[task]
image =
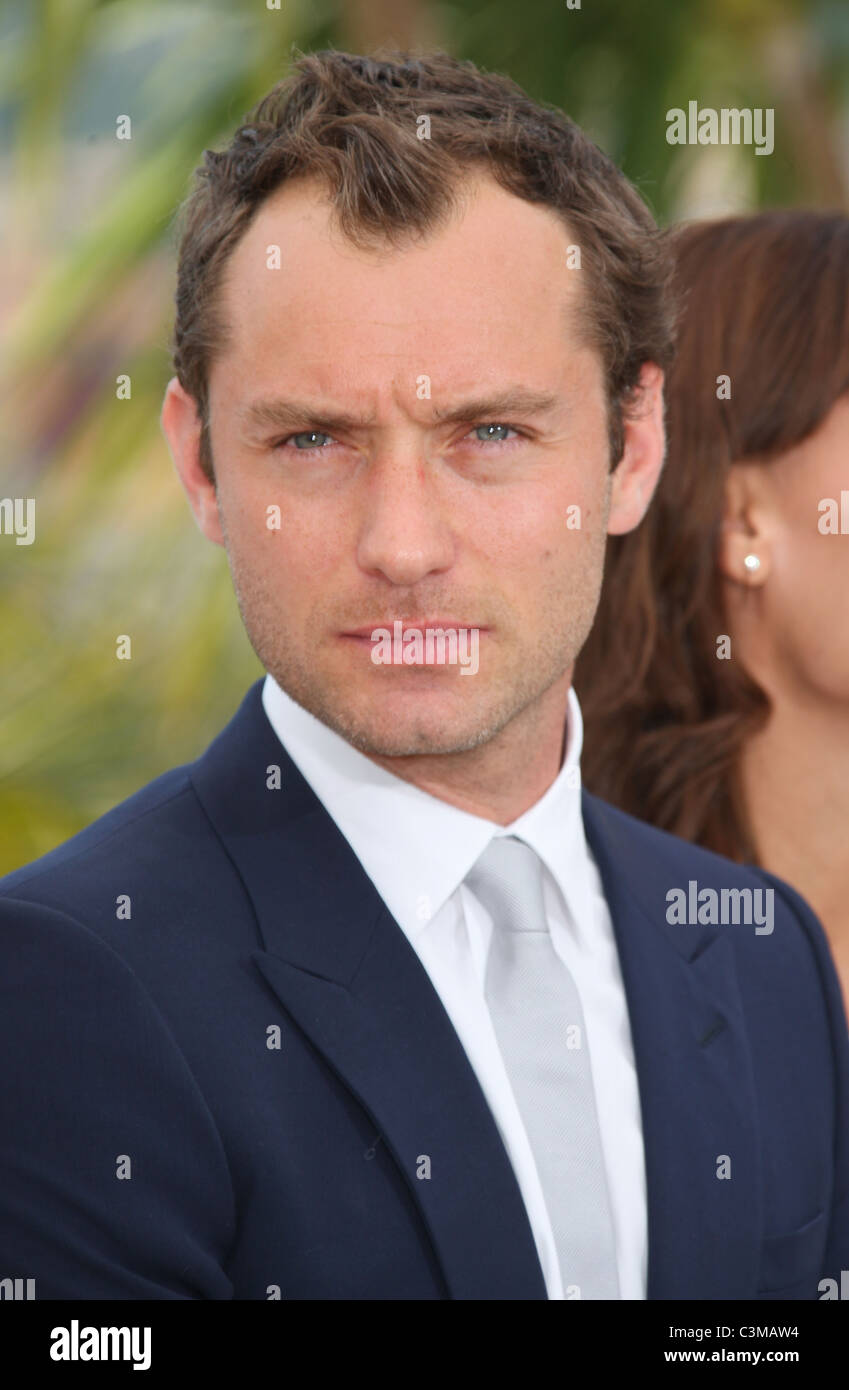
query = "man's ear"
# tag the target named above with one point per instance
(744, 551)
(635, 476)
(181, 426)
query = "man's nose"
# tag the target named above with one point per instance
(405, 533)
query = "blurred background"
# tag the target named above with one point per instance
(86, 285)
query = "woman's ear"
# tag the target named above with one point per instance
(744, 551)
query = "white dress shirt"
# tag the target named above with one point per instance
(417, 850)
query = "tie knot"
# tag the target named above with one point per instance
(507, 879)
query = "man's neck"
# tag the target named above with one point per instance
(508, 774)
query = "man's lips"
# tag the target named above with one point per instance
(420, 625)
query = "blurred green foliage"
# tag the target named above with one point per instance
(86, 288)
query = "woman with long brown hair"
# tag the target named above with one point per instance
(715, 682)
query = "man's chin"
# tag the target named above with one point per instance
(409, 734)
(416, 742)
(405, 724)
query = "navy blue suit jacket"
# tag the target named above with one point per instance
(154, 1145)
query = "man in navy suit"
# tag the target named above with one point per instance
(371, 1001)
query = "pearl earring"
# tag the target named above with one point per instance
(752, 563)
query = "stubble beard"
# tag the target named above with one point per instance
(532, 671)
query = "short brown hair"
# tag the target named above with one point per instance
(766, 303)
(351, 122)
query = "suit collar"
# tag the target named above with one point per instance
(286, 848)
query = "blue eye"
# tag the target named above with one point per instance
(311, 441)
(311, 436)
(495, 434)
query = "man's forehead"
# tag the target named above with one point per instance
(474, 291)
(492, 235)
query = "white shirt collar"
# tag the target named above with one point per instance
(416, 848)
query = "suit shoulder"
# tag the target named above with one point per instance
(661, 848)
(657, 863)
(150, 814)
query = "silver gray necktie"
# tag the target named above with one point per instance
(538, 1020)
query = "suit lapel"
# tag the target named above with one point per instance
(343, 969)
(697, 1092)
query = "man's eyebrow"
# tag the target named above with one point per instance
(283, 414)
(514, 400)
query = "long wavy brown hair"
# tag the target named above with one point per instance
(766, 304)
